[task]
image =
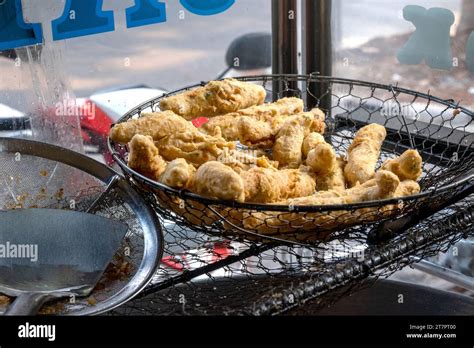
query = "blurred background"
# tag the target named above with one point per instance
(188, 48)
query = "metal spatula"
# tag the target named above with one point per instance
(47, 254)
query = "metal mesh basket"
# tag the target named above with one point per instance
(203, 275)
(441, 130)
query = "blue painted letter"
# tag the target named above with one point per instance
(430, 41)
(82, 17)
(14, 32)
(207, 7)
(146, 12)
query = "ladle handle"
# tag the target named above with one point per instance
(27, 304)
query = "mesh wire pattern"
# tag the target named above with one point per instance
(269, 279)
(29, 181)
(442, 131)
(209, 270)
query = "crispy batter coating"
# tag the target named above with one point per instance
(178, 174)
(407, 188)
(311, 141)
(242, 160)
(364, 153)
(408, 166)
(145, 158)
(174, 137)
(289, 140)
(385, 185)
(328, 167)
(270, 116)
(268, 185)
(255, 133)
(215, 98)
(216, 180)
(322, 159)
(157, 125)
(192, 145)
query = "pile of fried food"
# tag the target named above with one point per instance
(303, 169)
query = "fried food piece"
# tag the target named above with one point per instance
(336, 179)
(244, 160)
(301, 182)
(216, 180)
(195, 147)
(157, 125)
(407, 188)
(385, 185)
(255, 133)
(322, 159)
(311, 141)
(178, 174)
(408, 166)
(269, 185)
(271, 116)
(364, 153)
(262, 133)
(289, 140)
(328, 167)
(145, 158)
(215, 98)
(174, 137)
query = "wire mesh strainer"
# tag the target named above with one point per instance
(39, 175)
(442, 131)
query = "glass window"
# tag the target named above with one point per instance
(370, 35)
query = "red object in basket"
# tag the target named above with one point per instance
(198, 122)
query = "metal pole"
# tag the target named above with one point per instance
(284, 43)
(318, 50)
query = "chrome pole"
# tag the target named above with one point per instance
(284, 42)
(318, 49)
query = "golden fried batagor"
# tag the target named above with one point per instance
(216, 180)
(215, 98)
(311, 141)
(144, 157)
(289, 140)
(157, 125)
(364, 153)
(242, 160)
(174, 137)
(269, 185)
(407, 188)
(270, 116)
(255, 133)
(328, 167)
(408, 166)
(192, 145)
(178, 174)
(385, 185)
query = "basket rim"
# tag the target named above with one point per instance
(152, 184)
